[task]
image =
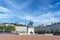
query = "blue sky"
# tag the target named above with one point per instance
(38, 11)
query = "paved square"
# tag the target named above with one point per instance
(28, 37)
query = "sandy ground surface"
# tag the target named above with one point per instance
(28, 37)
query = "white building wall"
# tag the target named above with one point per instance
(21, 29)
(30, 30)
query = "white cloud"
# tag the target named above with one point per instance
(6, 13)
(2, 9)
(58, 3)
(25, 17)
(47, 18)
(41, 19)
(50, 6)
(15, 4)
(4, 16)
(57, 13)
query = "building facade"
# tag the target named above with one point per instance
(19, 28)
(49, 28)
(24, 30)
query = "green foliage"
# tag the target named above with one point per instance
(7, 28)
(47, 32)
(57, 31)
(10, 28)
(43, 31)
(1, 27)
(52, 31)
(40, 31)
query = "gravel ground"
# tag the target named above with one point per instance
(28, 37)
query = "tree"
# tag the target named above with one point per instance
(47, 32)
(52, 31)
(30, 24)
(10, 28)
(2, 28)
(39, 31)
